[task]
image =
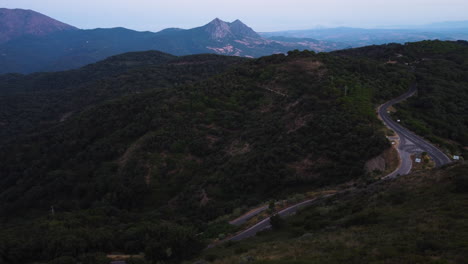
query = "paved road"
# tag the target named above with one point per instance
(409, 143)
(265, 223)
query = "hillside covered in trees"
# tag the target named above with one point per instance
(41, 100)
(154, 153)
(439, 112)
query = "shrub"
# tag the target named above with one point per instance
(461, 182)
(211, 257)
(362, 218)
(277, 222)
(240, 250)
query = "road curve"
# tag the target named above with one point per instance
(409, 143)
(265, 223)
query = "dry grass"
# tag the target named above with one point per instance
(304, 64)
(386, 162)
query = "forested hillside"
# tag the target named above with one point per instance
(167, 149)
(29, 103)
(439, 112)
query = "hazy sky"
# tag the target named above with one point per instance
(262, 15)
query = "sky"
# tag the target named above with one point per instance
(261, 15)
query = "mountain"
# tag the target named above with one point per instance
(18, 22)
(220, 30)
(240, 29)
(235, 39)
(160, 152)
(70, 49)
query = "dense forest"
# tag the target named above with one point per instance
(153, 155)
(41, 100)
(439, 111)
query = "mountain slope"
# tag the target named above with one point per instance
(218, 37)
(172, 160)
(26, 100)
(240, 29)
(187, 154)
(70, 49)
(233, 120)
(18, 22)
(417, 218)
(439, 111)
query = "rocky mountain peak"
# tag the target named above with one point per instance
(238, 28)
(218, 29)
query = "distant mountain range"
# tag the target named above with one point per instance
(34, 42)
(358, 37)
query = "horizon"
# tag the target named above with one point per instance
(143, 15)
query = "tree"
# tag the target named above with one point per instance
(277, 222)
(272, 207)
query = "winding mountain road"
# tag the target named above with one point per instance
(408, 144)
